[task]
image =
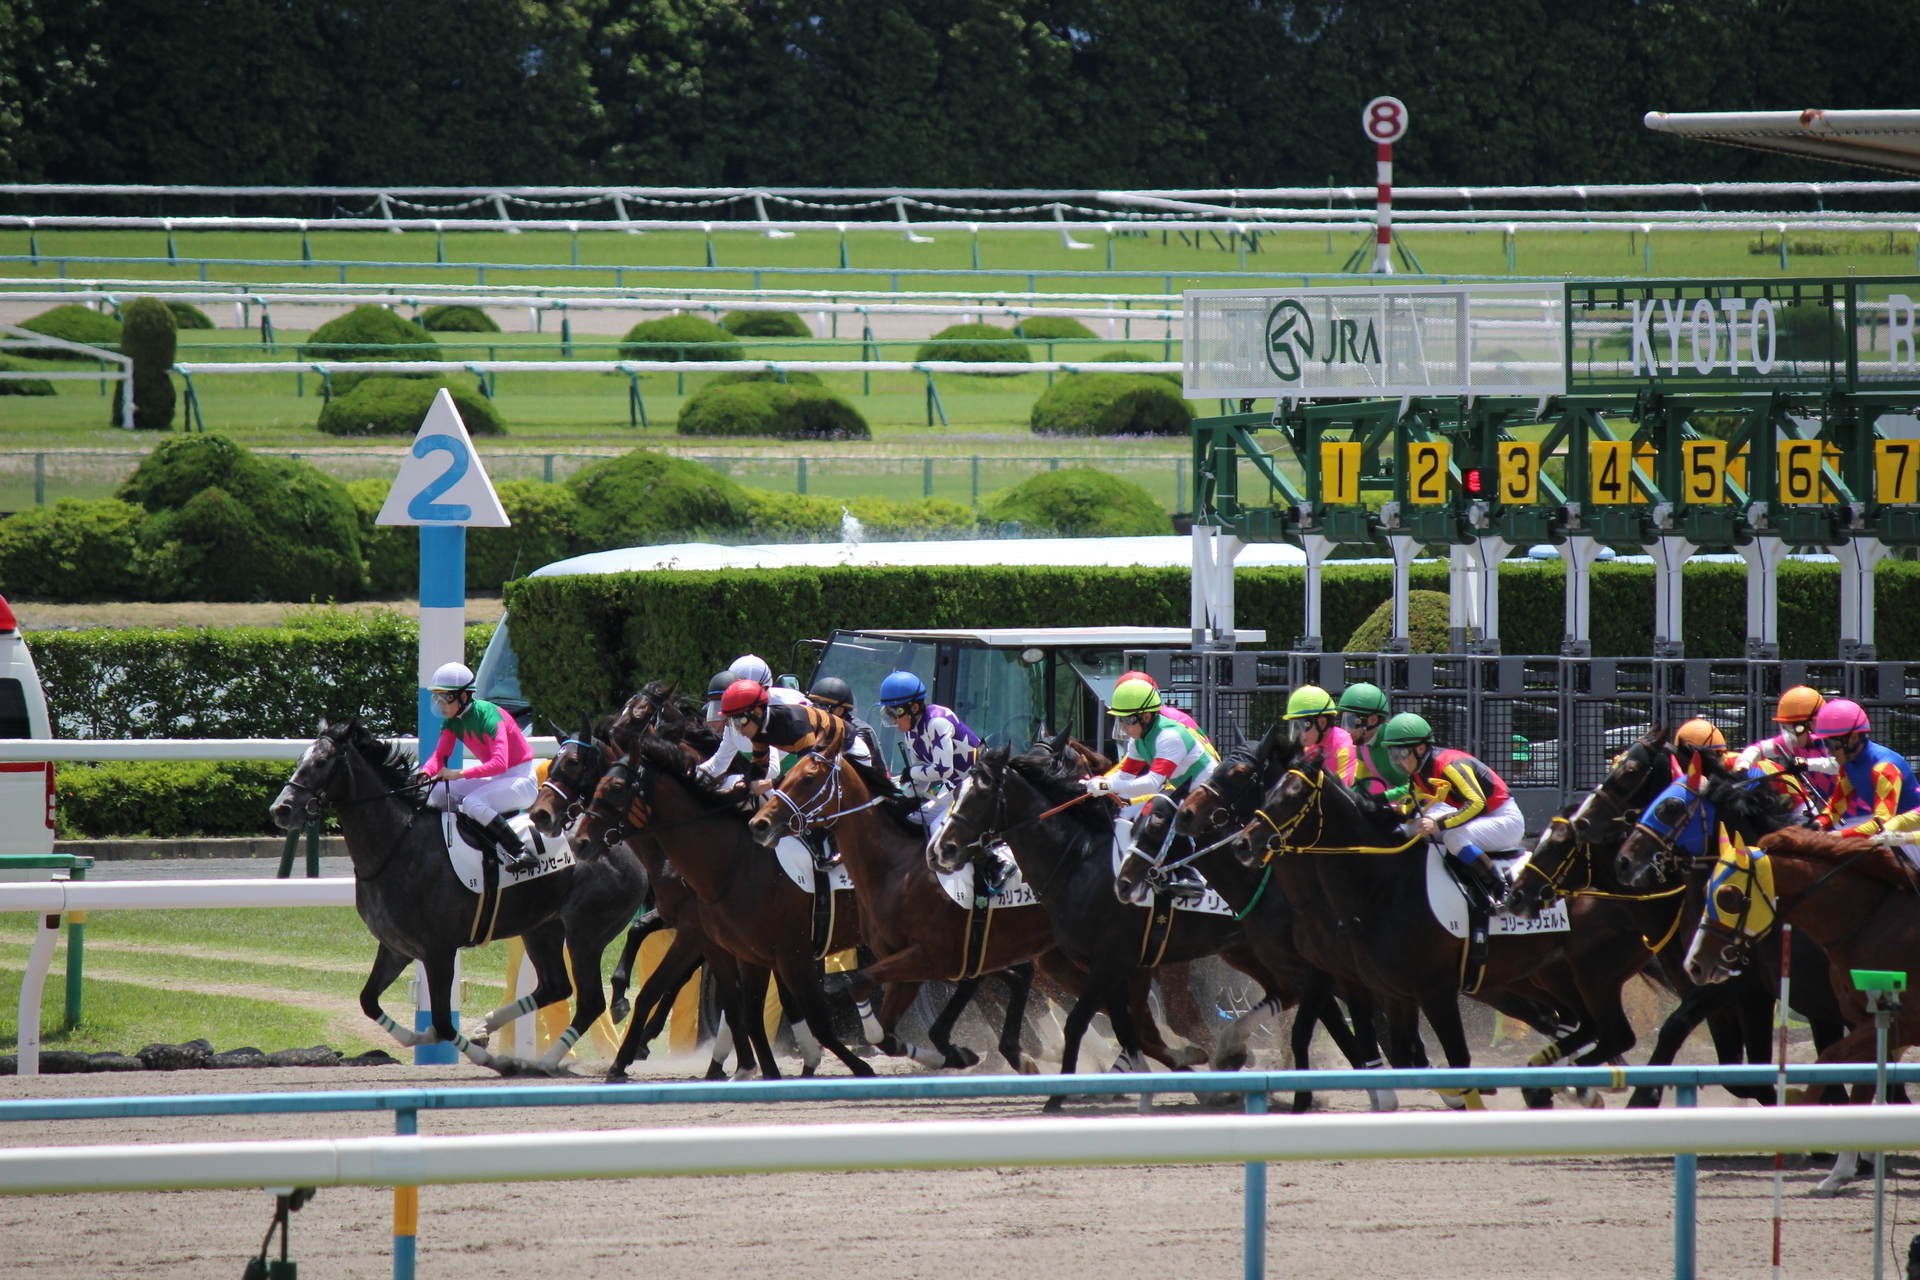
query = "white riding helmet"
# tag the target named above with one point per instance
(752, 667)
(452, 677)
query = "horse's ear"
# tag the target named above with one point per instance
(586, 728)
(1059, 741)
(323, 724)
(1268, 743)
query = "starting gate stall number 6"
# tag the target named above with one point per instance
(1896, 465)
(1427, 462)
(1800, 462)
(1519, 472)
(1705, 464)
(1340, 474)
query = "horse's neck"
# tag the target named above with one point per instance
(1234, 879)
(371, 823)
(701, 851)
(876, 850)
(1036, 847)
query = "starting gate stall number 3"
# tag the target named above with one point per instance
(1705, 464)
(1427, 462)
(1340, 473)
(1896, 465)
(1519, 472)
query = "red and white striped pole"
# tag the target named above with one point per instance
(1384, 122)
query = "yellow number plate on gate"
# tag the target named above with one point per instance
(1427, 471)
(1339, 473)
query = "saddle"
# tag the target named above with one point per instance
(475, 857)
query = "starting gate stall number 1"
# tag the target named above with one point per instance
(1896, 465)
(1427, 462)
(1340, 473)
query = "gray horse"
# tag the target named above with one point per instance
(417, 908)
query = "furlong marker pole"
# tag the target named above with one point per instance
(1383, 211)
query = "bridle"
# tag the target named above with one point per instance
(1282, 838)
(1619, 810)
(810, 814)
(317, 801)
(576, 775)
(1736, 950)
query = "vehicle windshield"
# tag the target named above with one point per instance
(1000, 697)
(863, 662)
(498, 680)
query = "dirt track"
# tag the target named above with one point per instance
(1536, 1218)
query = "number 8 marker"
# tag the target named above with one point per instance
(1384, 120)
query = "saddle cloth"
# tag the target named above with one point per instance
(797, 861)
(1449, 901)
(1207, 904)
(1014, 889)
(554, 855)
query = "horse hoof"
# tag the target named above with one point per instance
(1643, 1097)
(715, 1071)
(1302, 1103)
(1453, 1101)
(836, 983)
(479, 1037)
(1232, 1062)
(959, 1057)
(616, 1074)
(1192, 1056)
(1054, 1105)
(1537, 1099)
(861, 1069)
(618, 1010)
(1027, 1066)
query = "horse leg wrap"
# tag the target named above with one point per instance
(809, 1046)
(408, 1039)
(924, 1056)
(552, 1058)
(1845, 1165)
(869, 1024)
(503, 1015)
(478, 1056)
(1545, 1056)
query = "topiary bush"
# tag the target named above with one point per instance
(644, 497)
(785, 410)
(801, 517)
(1047, 328)
(765, 324)
(166, 798)
(188, 316)
(1111, 404)
(74, 323)
(1080, 502)
(679, 338)
(1138, 357)
(370, 333)
(452, 318)
(379, 406)
(147, 336)
(226, 524)
(543, 515)
(391, 552)
(974, 343)
(1426, 625)
(72, 550)
(22, 386)
(798, 378)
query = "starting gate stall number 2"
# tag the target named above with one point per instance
(1427, 462)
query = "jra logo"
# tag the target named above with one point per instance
(1289, 339)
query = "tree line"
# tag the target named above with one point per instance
(995, 93)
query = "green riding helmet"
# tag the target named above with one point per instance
(1310, 700)
(1405, 730)
(1365, 700)
(1132, 697)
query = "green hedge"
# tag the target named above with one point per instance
(147, 335)
(235, 682)
(765, 324)
(1111, 404)
(1427, 630)
(786, 517)
(72, 550)
(357, 335)
(167, 799)
(644, 497)
(453, 318)
(379, 406)
(1052, 327)
(1080, 502)
(679, 338)
(74, 323)
(585, 642)
(974, 343)
(22, 386)
(188, 316)
(783, 410)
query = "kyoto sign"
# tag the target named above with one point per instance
(1368, 340)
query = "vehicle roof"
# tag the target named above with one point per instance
(1055, 637)
(1169, 550)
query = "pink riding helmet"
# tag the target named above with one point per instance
(1839, 718)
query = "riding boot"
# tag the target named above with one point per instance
(989, 873)
(1486, 879)
(514, 856)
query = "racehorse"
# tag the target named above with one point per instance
(417, 907)
(1064, 849)
(748, 904)
(575, 770)
(1362, 892)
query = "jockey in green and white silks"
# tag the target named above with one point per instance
(1162, 760)
(500, 778)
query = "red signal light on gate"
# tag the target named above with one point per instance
(1474, 481)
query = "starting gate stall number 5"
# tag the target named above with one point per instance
(1340, 473)
(1896, 465)
(1705, 464)
(1427, 462)
(1519, 472)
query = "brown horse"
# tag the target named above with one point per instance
(748, 904)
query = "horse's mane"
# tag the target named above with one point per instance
(394, 764)
(1820, 846)
(1056, 776)
(670, 757)
(893, 802)
(1753, 810)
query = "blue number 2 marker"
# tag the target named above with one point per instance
(423, 506)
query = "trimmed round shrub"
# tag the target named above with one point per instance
(1138, 357)
(22, 386)
(679, 338)
(784, 410)
(147, 335)
(1047, 328)
(391, 551)
(370, 333)
(1111, 404)
(452, 318)
(645, 497)
(188, 316)
(380, 406)
(1080, 502)
(974, 343)
(1426, 625)
(798, 378)
(74, 323)
(72, 550)
(802, 517)
(765, 324)
(226, 524)
(542, 531)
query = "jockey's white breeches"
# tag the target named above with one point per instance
(1502, 829)
(484, 799)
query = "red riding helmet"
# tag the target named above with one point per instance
(1136, 675)
(1839, 718)
(742, 696)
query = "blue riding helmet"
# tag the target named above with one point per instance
(901, 688)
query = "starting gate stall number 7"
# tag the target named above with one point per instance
(1427, 462)
(1340, 473)
(1896, 465)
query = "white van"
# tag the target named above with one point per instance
(26, 788)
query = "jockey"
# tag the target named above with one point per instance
(1459, 802)
(749, 666)
(499, 781)
(1363, 709)
(1791, 750)
(1311, 717)
(757, 725)
(1163, 760)
(1875, 783)
(716, 690)
(835, 696)
(1702, 735)
(942, 745)
(1167, 709)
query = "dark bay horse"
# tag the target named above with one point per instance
(1063, 843)
(417, 908)
(748, 904)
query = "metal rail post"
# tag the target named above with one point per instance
(406, 1204)
(76, 955)
(1686, 1169)
(1255, 1251)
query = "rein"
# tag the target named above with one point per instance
(805, 815)
(1277, 842)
